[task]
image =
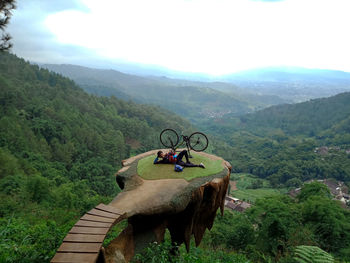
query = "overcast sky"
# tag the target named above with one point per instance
(207, 36)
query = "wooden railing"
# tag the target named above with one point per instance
(84, 240)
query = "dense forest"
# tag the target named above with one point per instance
(280, 143)
(60, 148)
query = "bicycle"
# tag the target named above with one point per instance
(197, 141)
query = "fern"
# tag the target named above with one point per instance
(312, 254)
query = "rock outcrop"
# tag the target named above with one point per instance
(183, 207)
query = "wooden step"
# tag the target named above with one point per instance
(97, 218)
(97, 212)
(88, 230)
(92, 224)
(74, 257)
(80, 247)
(84, 240)
(110, 209)
(87, 238)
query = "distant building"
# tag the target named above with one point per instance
(236, 204)
(294, 192)
(337, 188)
(321, 150)
(324, 150)
(230, 198)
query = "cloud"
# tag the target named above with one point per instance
(268, 0)
(47, 7)
(198, 36)
(33, 41)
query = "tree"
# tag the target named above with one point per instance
(328, 221)
(233, 231)
(276, 219)
(258, 183)
(38, 188)
(294, 182)
(6, 6)
(314, 189)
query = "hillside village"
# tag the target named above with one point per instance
(235, 204)
(338, 190)
(324, 150)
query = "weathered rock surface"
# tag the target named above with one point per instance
(183, 207)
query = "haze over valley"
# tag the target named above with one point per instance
(235, 94)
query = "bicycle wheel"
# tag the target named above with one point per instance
(169, 138)
(198, 141)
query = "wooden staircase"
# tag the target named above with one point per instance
(84, 240)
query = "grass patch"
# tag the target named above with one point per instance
(245, 180)
(253, 194)
(245, 192)
(149, 171)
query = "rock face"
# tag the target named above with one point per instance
(183, 207)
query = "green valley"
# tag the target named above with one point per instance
(190, 99)
(60, 148)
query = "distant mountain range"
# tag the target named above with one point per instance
(259, 87)
(190, 99)
(292, 83)
(290, 74)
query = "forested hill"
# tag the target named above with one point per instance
(308, 118)
(190, 99)
(280, 143)
(59, 150)
(45, 114)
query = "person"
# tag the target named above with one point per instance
(172, 158)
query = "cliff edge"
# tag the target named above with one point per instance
(156, 198)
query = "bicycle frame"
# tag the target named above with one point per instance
(171, 139)
(185, 139)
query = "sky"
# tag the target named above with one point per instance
(214, 37)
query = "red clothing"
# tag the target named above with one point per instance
(171, 157)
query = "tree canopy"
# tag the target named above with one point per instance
(59, 150)
(6, 7)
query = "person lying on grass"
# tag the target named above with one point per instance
(172, 158)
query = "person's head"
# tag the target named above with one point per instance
(160, 154)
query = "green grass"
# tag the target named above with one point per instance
(244, 180)
(253, 194)
(244, 192)
(149, 171)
